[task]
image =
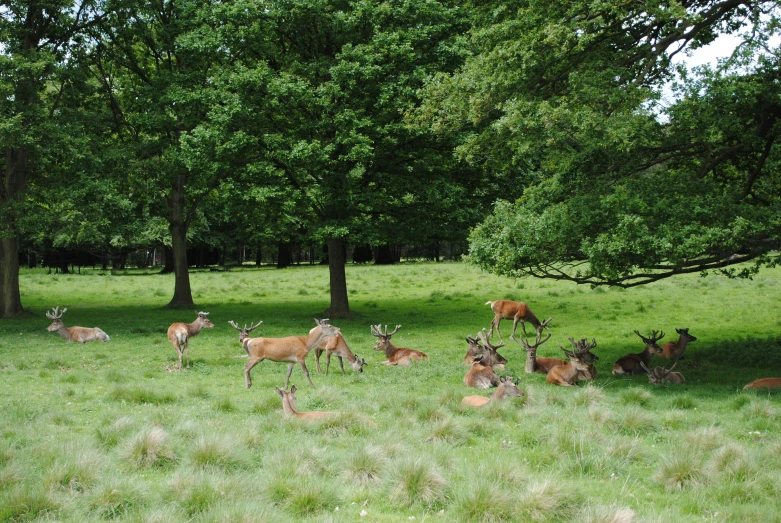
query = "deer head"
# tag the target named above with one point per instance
(203, 321)
(650, 342)
(383, 339)
(582, 349)
(56, 316)
(244, 332)
(658, 375)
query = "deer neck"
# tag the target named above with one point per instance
(500, 393)
(531, 361)
(646, 356)
(289, 405)
(314, 338)
(569, 372)
(194, 328)
(390, 350)
(64, 332)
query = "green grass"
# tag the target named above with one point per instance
(106, 431)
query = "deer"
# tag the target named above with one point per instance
(479, 376)
(77, 334)
(518, 311)
(533, 363)
(763, 383)
(179, 335)
(337, 346)
(507, 388)
(674, 349)
(567, 375)
(630, 364)
(659, 375)
(290, 350)
(491, 358)
(396, 355)
(289, 408)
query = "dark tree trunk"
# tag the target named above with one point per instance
(283, 258)
(259, 255)
(384, 255)
(337, 258)
(10, 297)
(183, 296)
(168, 260)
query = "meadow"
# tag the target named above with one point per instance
(107, 431)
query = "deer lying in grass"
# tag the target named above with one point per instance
(335, 345)
(179, 335)
(77, 334)
(763, 383)
(630, 364)
(567, 375)
(491, 358)
(507, 388)
(395, 355)
(659, 375)
(289, 407)
(479, 376)
(516, 311)
(290, 350)
(674, 350)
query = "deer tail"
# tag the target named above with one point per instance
(489, 303)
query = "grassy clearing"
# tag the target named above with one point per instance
(106, 431)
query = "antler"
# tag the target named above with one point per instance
(484, 338)
(245, 329)
(653, 339)
(392, 333)
(203, 314)
(53, 315)
(647, 370)
(668, 371)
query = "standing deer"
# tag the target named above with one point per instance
(674, 349)
(77, 334)
(491, 358)
(289, 407)
(290, 350)
(179, 335)
(481, 377)
(507, 388)
(630, 364)
(659, 375)
(567, 375)
(395, 355)
(337, 346)
(516, 311)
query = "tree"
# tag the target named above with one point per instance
(620, 189)
(39, 42)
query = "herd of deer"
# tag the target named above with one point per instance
(482, 357)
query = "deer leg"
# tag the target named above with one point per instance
(341, 363)
(289, 372)
(187, 352)
(306, 371)
(523, 326)
(495, 323)
(248, 367)
(179, 353)
(327, 362)
(318, 352)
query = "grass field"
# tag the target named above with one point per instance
(105, 431)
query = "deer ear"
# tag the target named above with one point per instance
(293, 389)
(280, 392)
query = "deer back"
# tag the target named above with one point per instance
(480, 376)
(633, 363)
(763, 383)
(85, 334)
(675, 349)
(289, 406)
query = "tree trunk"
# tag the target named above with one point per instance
(10, 297)
(183, 297)
(337, 258)
(283, 259)
(384, 255)
(168, 260)
(259, 255)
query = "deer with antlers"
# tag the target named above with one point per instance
(674, 350)
(630, 364)
(517, 311)
(567, 375)
(507, 388)
(77, 334)
(396, 355)
(335, 345)
(290, 350)
(491, 358)
(659, 375)
(179, 335)
(481, 376)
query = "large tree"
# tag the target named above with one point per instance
(622, 186)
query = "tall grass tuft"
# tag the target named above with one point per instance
(636, 396)
(76, 469)
(483, 503)
(588, 396)
(416, 482)
(194, 493)
(223, 452)
(449, 431)
(26, 502)
(116, 498)
(545, 501)
(606, 514)
(681, 468)
(149, 448)
(365, 465)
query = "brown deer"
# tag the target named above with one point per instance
(516, 311)
(77, 334)
(479, 376)
(335, 345)
(659, 375)
(507, 388)
(674, 349)
(567, 375)
(180, 333)
(395, 355)
(491, 358)
(630, 364)
(533, 363)
(289, 408)
(290, 350)
(763, 383)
